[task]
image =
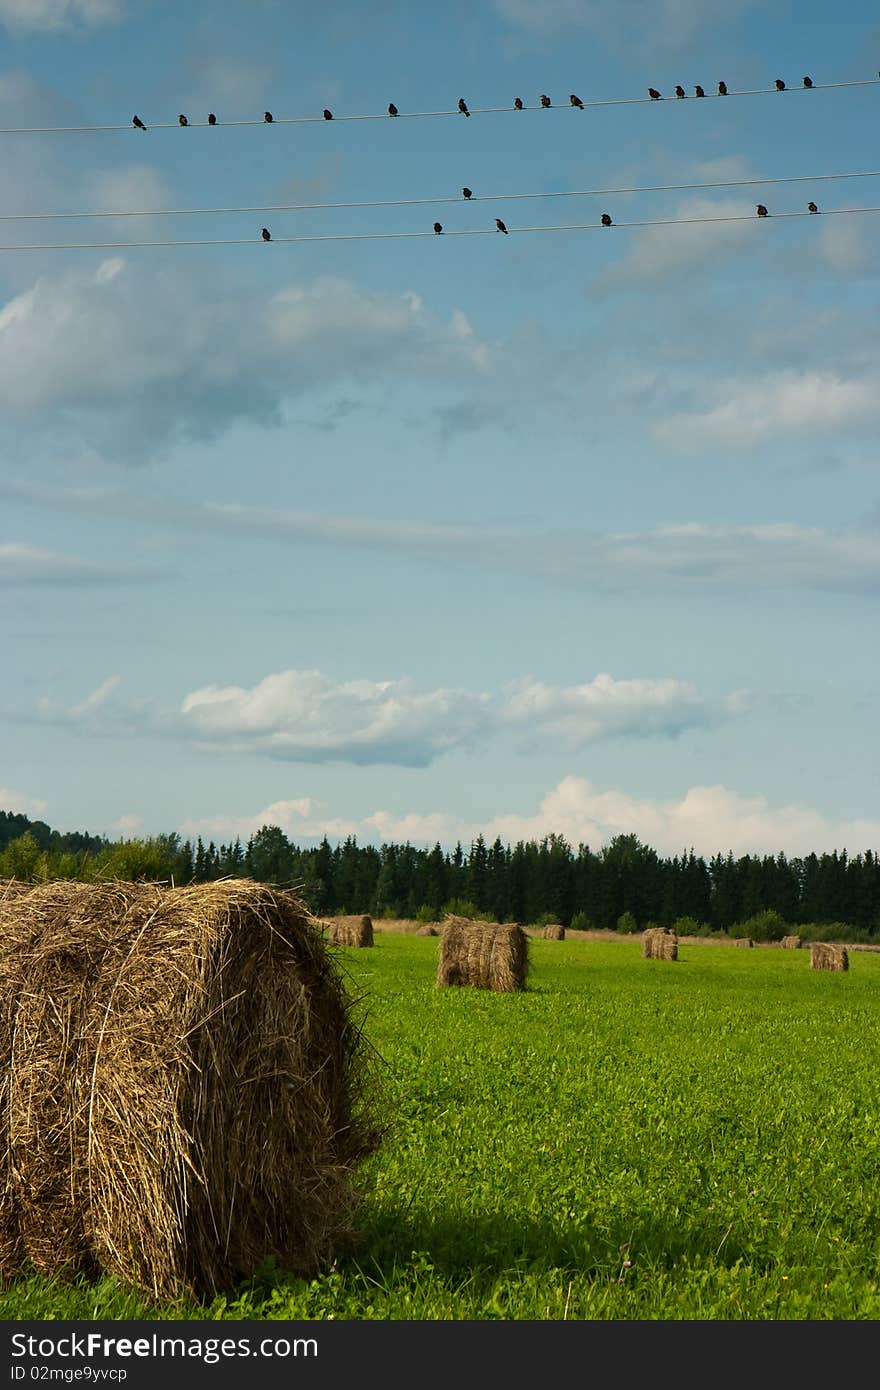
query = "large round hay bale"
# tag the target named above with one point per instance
(352, 931)
(554, 931)
(427, 930)
(824, 955)
(182, 1085)
(743, 941)
(791, 943)
(659, 943)
(487, 955)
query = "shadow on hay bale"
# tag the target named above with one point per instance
(791, 943)
(554, 932)
(487, 955)
(182, 1087)
(352, 931)
(825, 956)
(659, 943)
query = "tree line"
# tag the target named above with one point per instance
(623, 885)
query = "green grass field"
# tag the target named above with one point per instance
(627, 1139)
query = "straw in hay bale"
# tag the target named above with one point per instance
(352, 931)
(826, 956)
(487, 955)
(182, 1087)
(554, 932)
(791, 943)
(660, 943)
(427, 930)
(13, 888)
(743, 941)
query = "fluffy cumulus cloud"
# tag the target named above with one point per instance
(58, 14)
(134, 362)
(709, 819)
(20, 803)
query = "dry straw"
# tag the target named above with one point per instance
(427, 930)
(554, 932)
(351, 931)
(743, 941)
(791, 943)
(182, 1088)
(487, 955)
(826, 956)
(660, 943)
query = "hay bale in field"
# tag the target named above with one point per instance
(659, 943)
(554, 932)
(826, 956)
(791, 943)
(352, 931)
(487, 955)
(743, 941)
(427, 930)
(182, 1085)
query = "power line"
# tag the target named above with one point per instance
(421, 115)
(408, 236)
(431, 202)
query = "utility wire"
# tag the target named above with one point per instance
(431, 202)
(423, 115)
(408, 236)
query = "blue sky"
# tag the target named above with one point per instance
(570, 532)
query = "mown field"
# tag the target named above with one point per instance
(628, 1139)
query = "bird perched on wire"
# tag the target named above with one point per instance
(576, 101)
(761, 210)
(392, 109)
(181, 120)
(698, 91)
(500, 225)
(212, 119)
(266, 234)
(462, 106)
(680, 92)
(808, 82)
(328, 115)
(138, 123)
(437, 228)
(545, 101)
(780, 85)
(466, 193)
(606, 220)
(654, 94)
(811, 207)
(267, 117)
(517, 103)
(722, 89)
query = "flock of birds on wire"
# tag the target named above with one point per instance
(574, 100)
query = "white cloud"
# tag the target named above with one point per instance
(127, 824)
(20, 803)
(658, 254)
(748, 411)
(58, 14)
(27, 564)
(643, 24)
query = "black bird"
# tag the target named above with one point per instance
(517, 101)
(698, 91)
(606, 220)
(212, 119)
(181, 120)
(653, 94)
(722, 89)
(500, 225)
(780, 85)
(466, 193)
(138, 123)
(392, 109)
(328, 115)
(680, 91)
(808, 81)
(266, 234)
(462, 106)
(761, 210)
(545, 101)
(267, 117)
(576, 101)
(811, 207)
(437, 228)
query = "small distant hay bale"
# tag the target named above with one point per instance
(554, 932)
(791, 943)
(487, 955)
(352, 931)
(743, 941)
(182, 1090)
(826, 956)
(427, 930)
(659, 943)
